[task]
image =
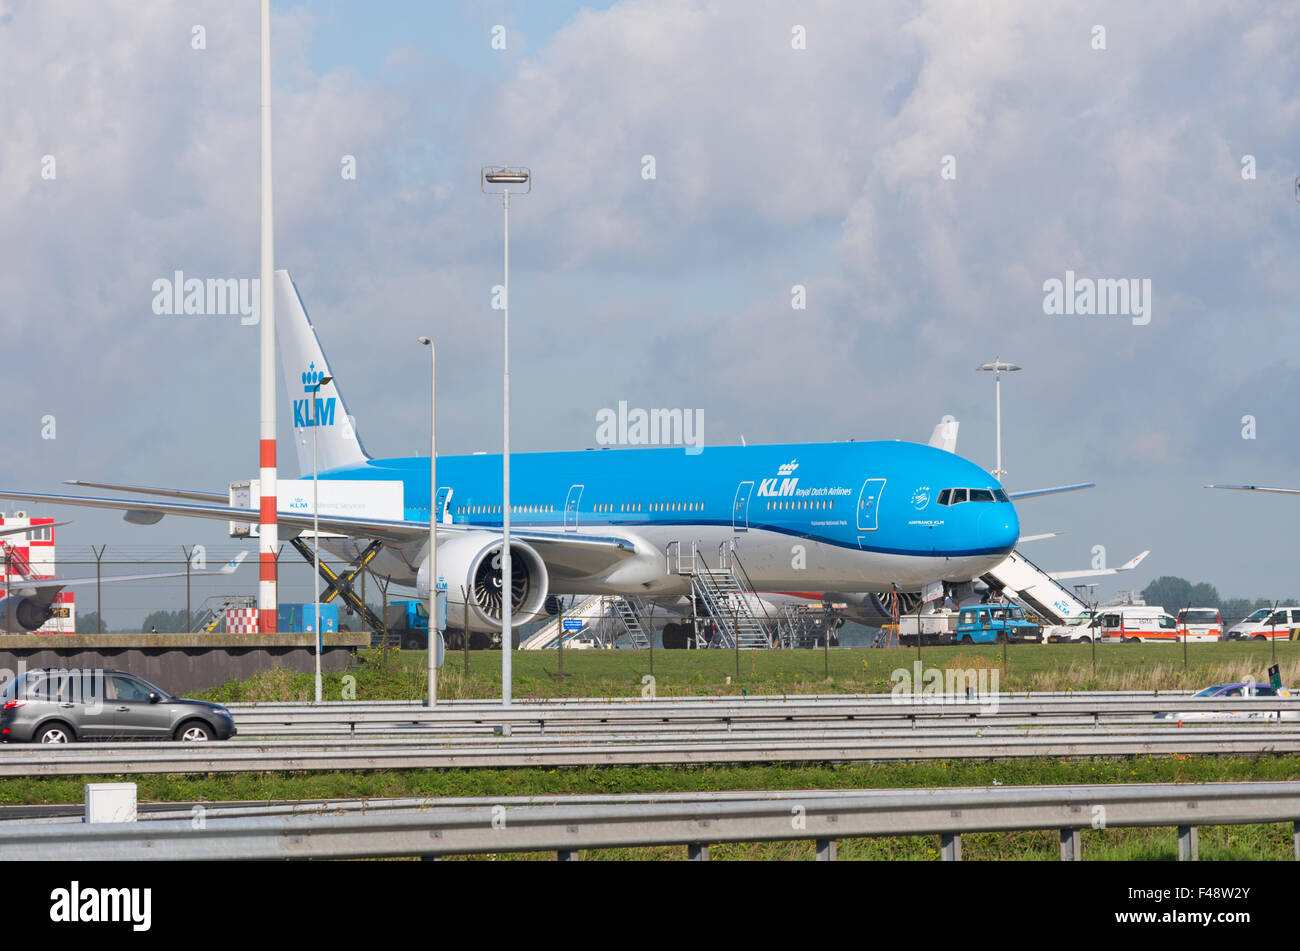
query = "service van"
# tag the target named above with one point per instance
(1266, 624)
(1200, 624)
(1080, 629)
(1132, 624)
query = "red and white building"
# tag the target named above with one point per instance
(30, 556)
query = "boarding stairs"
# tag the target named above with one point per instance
(720, 595)
(1028, 585)
(212, 612)
(630, 611)
(16, 564)
(801, 626)
(590, 609)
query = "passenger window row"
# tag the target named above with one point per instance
(600, 508)
(798, 506)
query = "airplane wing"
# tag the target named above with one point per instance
(146, 512)
(1090, 573)
(44, 589)
(196, 495)
(30, 528)
(1256, 488)
(1038, 538)
(1031, 493)
(567, 554)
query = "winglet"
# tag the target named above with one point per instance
(1133, 562)
(230, 566)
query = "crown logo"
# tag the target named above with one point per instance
(311, 378)
(788, 468)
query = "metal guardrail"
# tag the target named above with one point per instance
(714, 746)
(567, 827)
(750, 698)
(678, 712)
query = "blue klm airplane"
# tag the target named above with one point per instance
(847, 516)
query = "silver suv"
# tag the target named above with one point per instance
(63, 706)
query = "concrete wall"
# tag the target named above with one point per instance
(179, 663)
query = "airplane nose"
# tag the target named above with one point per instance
(999, 527)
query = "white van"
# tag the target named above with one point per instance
(1266, 624)
(1201, 624)
(1131, 625)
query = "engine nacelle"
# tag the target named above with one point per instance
(473, 561)
(19, 614)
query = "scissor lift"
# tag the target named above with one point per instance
(340, 585)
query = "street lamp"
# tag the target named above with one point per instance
(315, 518)
(433, 524)
(505, 177)
(998, 368)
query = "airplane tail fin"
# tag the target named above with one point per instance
(945, 435)
(337, 443)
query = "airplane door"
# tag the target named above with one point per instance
(740, 510)
(571, 508)
(869, 504)
(440, 504)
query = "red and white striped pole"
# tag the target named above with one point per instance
(268, 528)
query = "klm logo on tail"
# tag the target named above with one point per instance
(304, 414)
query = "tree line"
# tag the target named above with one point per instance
(1173, 594)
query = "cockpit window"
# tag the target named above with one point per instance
(957, 496)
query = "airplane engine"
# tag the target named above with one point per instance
(19, 614)
(473, 560)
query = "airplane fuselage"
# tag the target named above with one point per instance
(831, 516)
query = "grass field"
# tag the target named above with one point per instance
(1029, 667)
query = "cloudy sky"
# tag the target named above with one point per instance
(921, 169)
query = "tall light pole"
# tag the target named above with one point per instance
(315, 519)
(998, 368)
(505, 177)
(434, 514)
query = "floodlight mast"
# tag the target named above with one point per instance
(315, 520)
(998, 367)
(506, 176)
(434, 632)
